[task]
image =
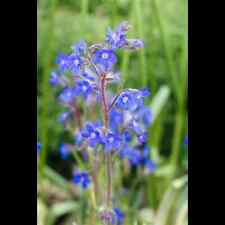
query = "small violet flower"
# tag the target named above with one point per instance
(83, 88)
(135, 44)
(112, 141)
(79, 48)
(186, 140)
(116, 39)
(125, 100)
(63, 62)
(67, 96)
(76, 64)
(38, 147)
(142, 138)
(63, 117)
(92, 134)
(115, 120)
(81, 178)
(105, 58)
(119, 217)
(54, 79)
(64, 151)
(133, 155)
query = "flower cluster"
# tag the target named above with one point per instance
(122, 130)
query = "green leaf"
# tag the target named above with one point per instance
(61, 209)
(164, 170)
(56, 178)
(159, 101)
(163, 212)
(146, 216)
(182, 215)
(42, 211)
(180, 182)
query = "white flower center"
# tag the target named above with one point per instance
(76, 62)
(84, 88)
(111, 139)
(139, 96)
(135, 124)
(114, 37)
(105, 55)
(125, 99)
(93, 135)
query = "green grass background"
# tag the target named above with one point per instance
(161, 66)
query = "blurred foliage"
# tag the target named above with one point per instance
(161, 66)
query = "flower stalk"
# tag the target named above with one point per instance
(108, 156)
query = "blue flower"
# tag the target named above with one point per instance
(38, 147)
(186, 140)
(78, 139)
(112, 142)
(80, 48)
(76, 64)
(64, 151)
(88, 76)
(136, 126)
(145, 160)
(134, 44)
(119, 217)
(125, 100)
(142, 138)
(144, 92)
(127, 137)
(105, 58)
(92, 135)
(116, 39)
(146, 115)
(81, 178)
(150, 166)
(139, 97)
(133, 155)
(83, 88)
(132, 99)
(146, 151)
(115, 120)
(63, 117)
(67, 96)
(54, 79)
(63, 61)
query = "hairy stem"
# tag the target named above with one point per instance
(95, 175)
(108, 157)
(77, 115)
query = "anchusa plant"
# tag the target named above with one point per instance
(117, 125)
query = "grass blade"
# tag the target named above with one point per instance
(159, 101)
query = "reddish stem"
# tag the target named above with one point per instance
(77, 115)
(108, 157)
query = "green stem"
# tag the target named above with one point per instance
(178, 130)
